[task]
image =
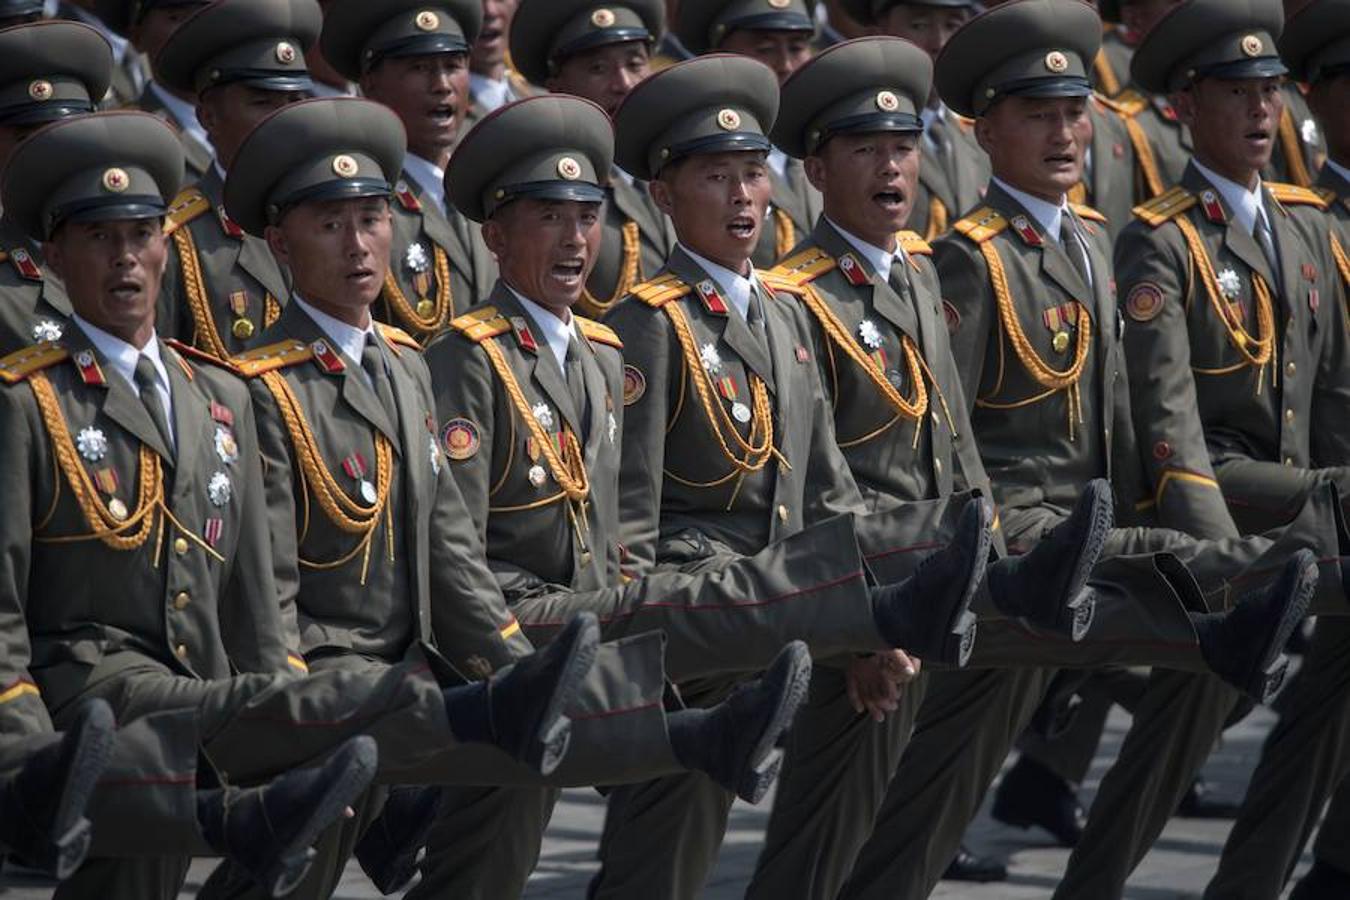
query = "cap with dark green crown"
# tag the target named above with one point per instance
(545, 33)
(1229, 39)
(1316, 41)
(260, 43)
(358, 34)
(50, 70)
(702, 25)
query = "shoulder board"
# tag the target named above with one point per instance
(912, 242)
(188, 205)
(1165, 207)
(775, 283)
(601, 334)
(1087, 212)
(20, 364)
(280, 355)
(191, 352)
(1294, 195)
(395, 335)
(481, 324)
(1128, 102)
(661, 290)
(981, 225)
(803, 268)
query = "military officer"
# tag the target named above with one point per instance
(573, 47)
(100, 419)
(357, 479)
(148, 24)
(493, 79)
(412, 57)
(240, 59)
(51, 70)
(778, 34)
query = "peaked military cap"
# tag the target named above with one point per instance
(702, 25)
(19, 9)
(866, 85)
(1316, 40)
(869, 12)
(331, 148)
(260, 43)
(710, 104)
(357, 34)
(100, 167)
(551, 147)
(1210, 39)
(50, 70)
(544, 33)
(1029, 48)
(121, 15)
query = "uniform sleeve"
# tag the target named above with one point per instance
(461, 380)
(1331, 393)
(651, 352)
(1152, 272)
(21, 708)
(968, 307)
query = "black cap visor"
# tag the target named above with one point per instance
(417, 45)
(581, 192)
(1067, 86)
(773, 21)
(348, 189)
(108, 209)
(263, 80)
(731, 142)
(870, 123)
(41, 113)
(1263, 67)
(602, 37)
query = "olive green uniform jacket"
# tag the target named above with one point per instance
(637, 239)
(33, 305)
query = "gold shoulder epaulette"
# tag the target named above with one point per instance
(395, 335)
(201, 355)
(804, 267)
(20, 364)
(601, 334)
(981, 225)
(188, 205)
(776, 282)
(272, 357)
(481, 324)
(1166, 206)
(661, 290)
(912, 242)
(1087, 212)
(1295, 195)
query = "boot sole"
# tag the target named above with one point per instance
(1269, 674)
(554, 732)
(292, 864)
(64, 853)
(1075, 616)
(959, 640)
(764, 762)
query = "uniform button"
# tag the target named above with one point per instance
(1289, 415)
(182, 600)
(181, 650)
(1289, 461)
(180, 546)
(1291, 368)
(782, 512)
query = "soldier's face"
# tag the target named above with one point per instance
(338, 253)
(489, 50)
(1330, 103)
(1233, 123)
(1037, 144)
(928, 26)
(545, 248)
(430, 93)
(868, 182)
(717, 202)
(112, 271)
(157, 25)
(604, 75)
(783, 51)
(230, 112)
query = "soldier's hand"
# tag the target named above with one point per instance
(874, 682)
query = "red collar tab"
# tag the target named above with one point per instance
(853, 270)
(1026, 231)
(524, 337)
(326, 357)
(712, 300)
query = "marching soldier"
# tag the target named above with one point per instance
(240, 59)
(129, 72)
(412, 56)
(148, 24)
(50, 70)
(572, 47)
(493, 81)
(778, 33)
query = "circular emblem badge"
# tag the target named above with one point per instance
(285, 53)
(40, 90)
(460, 439)
(1056, 62)
(242, 329)
(634, 385)
(729, 120)
(345, 166)
(887, 101)
(1145, 302)
(603, 18)
(780, 4)
(569, 168)
(1252, 45)
(427, 20)
(116, 180)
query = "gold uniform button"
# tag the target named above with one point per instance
(1060, 341)
(782, 512)
(1289, 461)
(182, 600)
(425, 308)
(1289, 415)
(180, 546)
(1291, 368)
(181, 650)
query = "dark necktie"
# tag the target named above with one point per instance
(372, 362)
(1263, 236)
(1075, 248)
(147, 379)
(576, 385)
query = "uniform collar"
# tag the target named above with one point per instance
(351, 341)
(122, 357)
(429, 177)
(489, 93)
(557, 333)
(184, 114)
(737, 288)
(1245, 205)
(880, 260)
(1047, 215)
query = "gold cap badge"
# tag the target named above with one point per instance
(569, 168)
(603, 18)
(427, 20)
(40, 90)
(285, 53)
(887, 101)
(116, 180)
(1056, 62)
(345, 166)
(1252, 45)
(729, 120)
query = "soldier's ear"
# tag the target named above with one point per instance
(276, 242)
(814, 167)
(494, 236)
(661, 194)
(984, 132)
(1183, 101)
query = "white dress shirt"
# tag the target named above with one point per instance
(557, 333)
(490, 93)
(429, 177)
(735, 288)
(122, 358)
(881, 260)
(1046, 214)
(349, 340)
(1246, 205)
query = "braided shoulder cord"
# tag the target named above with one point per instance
(784, 235)
(442, 306)
(630, 274)
(199, 304)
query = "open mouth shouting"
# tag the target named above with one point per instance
(568, 272)
(742, 227)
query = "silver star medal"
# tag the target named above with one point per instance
(538, 476)
(219, 489)
(226, 446)
(1230, 284)
(869, 334)
(435, 456)
(416, 259)
(613, 427)
(543, 415)
(1309, 129)
(711, 359)
(92, 444)
(47, 330)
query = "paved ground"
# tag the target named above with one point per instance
(1178, 867)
